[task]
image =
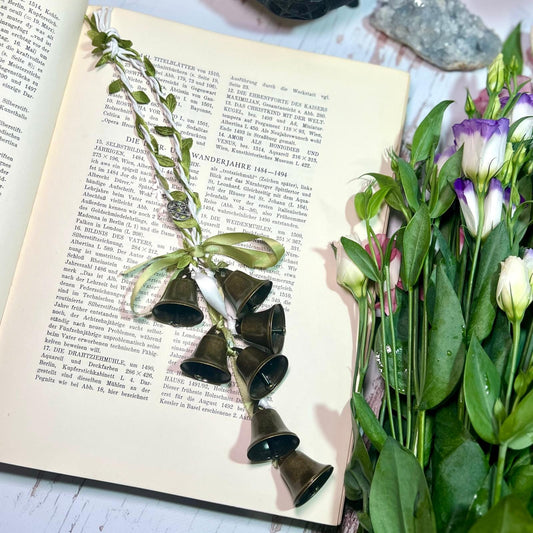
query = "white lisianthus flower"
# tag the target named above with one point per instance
(349, 275)
(514, 293)
(484, 143)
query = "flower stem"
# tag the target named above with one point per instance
(514, 358)
(502, 452)
(394, 355)
(362, 341)
(421, 439)
(475, 257)
(386, 366)
(410, 363)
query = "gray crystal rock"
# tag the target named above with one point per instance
(442, 32)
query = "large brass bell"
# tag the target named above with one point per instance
(209, 361)
(262, 372)
(179, 304)
(303, 476)
(244, 292)
(265, 328)
(270, 437)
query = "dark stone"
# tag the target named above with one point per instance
(305, 9)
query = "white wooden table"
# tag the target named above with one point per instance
(32, 501)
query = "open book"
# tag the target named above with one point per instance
(281, 140)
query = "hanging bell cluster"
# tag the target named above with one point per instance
(261, 365)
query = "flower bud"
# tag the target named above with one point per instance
(513, 292)
(496, 75)
(348, 274)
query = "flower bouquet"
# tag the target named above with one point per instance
(444, 311)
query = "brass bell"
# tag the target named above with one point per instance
(303, 476)
(179, 304)
(262, 372)
(265, 328)
(209, 361)
(270, 438)
(244, 292)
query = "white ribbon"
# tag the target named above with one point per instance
(210, 291)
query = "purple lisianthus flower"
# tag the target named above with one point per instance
(483, 142)
(523, 109)
(443, 156)
(492, 206)
(468, 202)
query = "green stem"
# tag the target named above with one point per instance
(410, 361)
(420, 439)
(514, 358)
(477, 248)
(394, 355)
(528, 348)
(502, 452)
(386, 367)
(360, 370)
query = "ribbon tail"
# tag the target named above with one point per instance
(210, 291)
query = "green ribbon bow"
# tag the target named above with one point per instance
(223, 244)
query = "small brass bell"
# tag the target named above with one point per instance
(179, 304)
(265, 328)
(270, 437)
(209, 361)
(244, 292)
(303, 476)
(262, 372)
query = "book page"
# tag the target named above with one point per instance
(281, 140)
(37, 45)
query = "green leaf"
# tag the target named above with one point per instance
(484, 309)
(453, 491)
(115, 86)
(171, 102)
(140, 97)
(361, 258)
(368, 421)
(427, 134)
(521, 481)
(360, 202)
(394, 197)
(482, 386)
(509, 515)
(150, 69)
(164, 160)
(165, 131)
(512, 48)
(517, 428)
(376, 201)
(449, 432)
(495, 250)
(416, 242)
(185, 145)
(106, 58)
(358, 474)
(399, 496)
(446, 350)
(482, 500)
(409, 183)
